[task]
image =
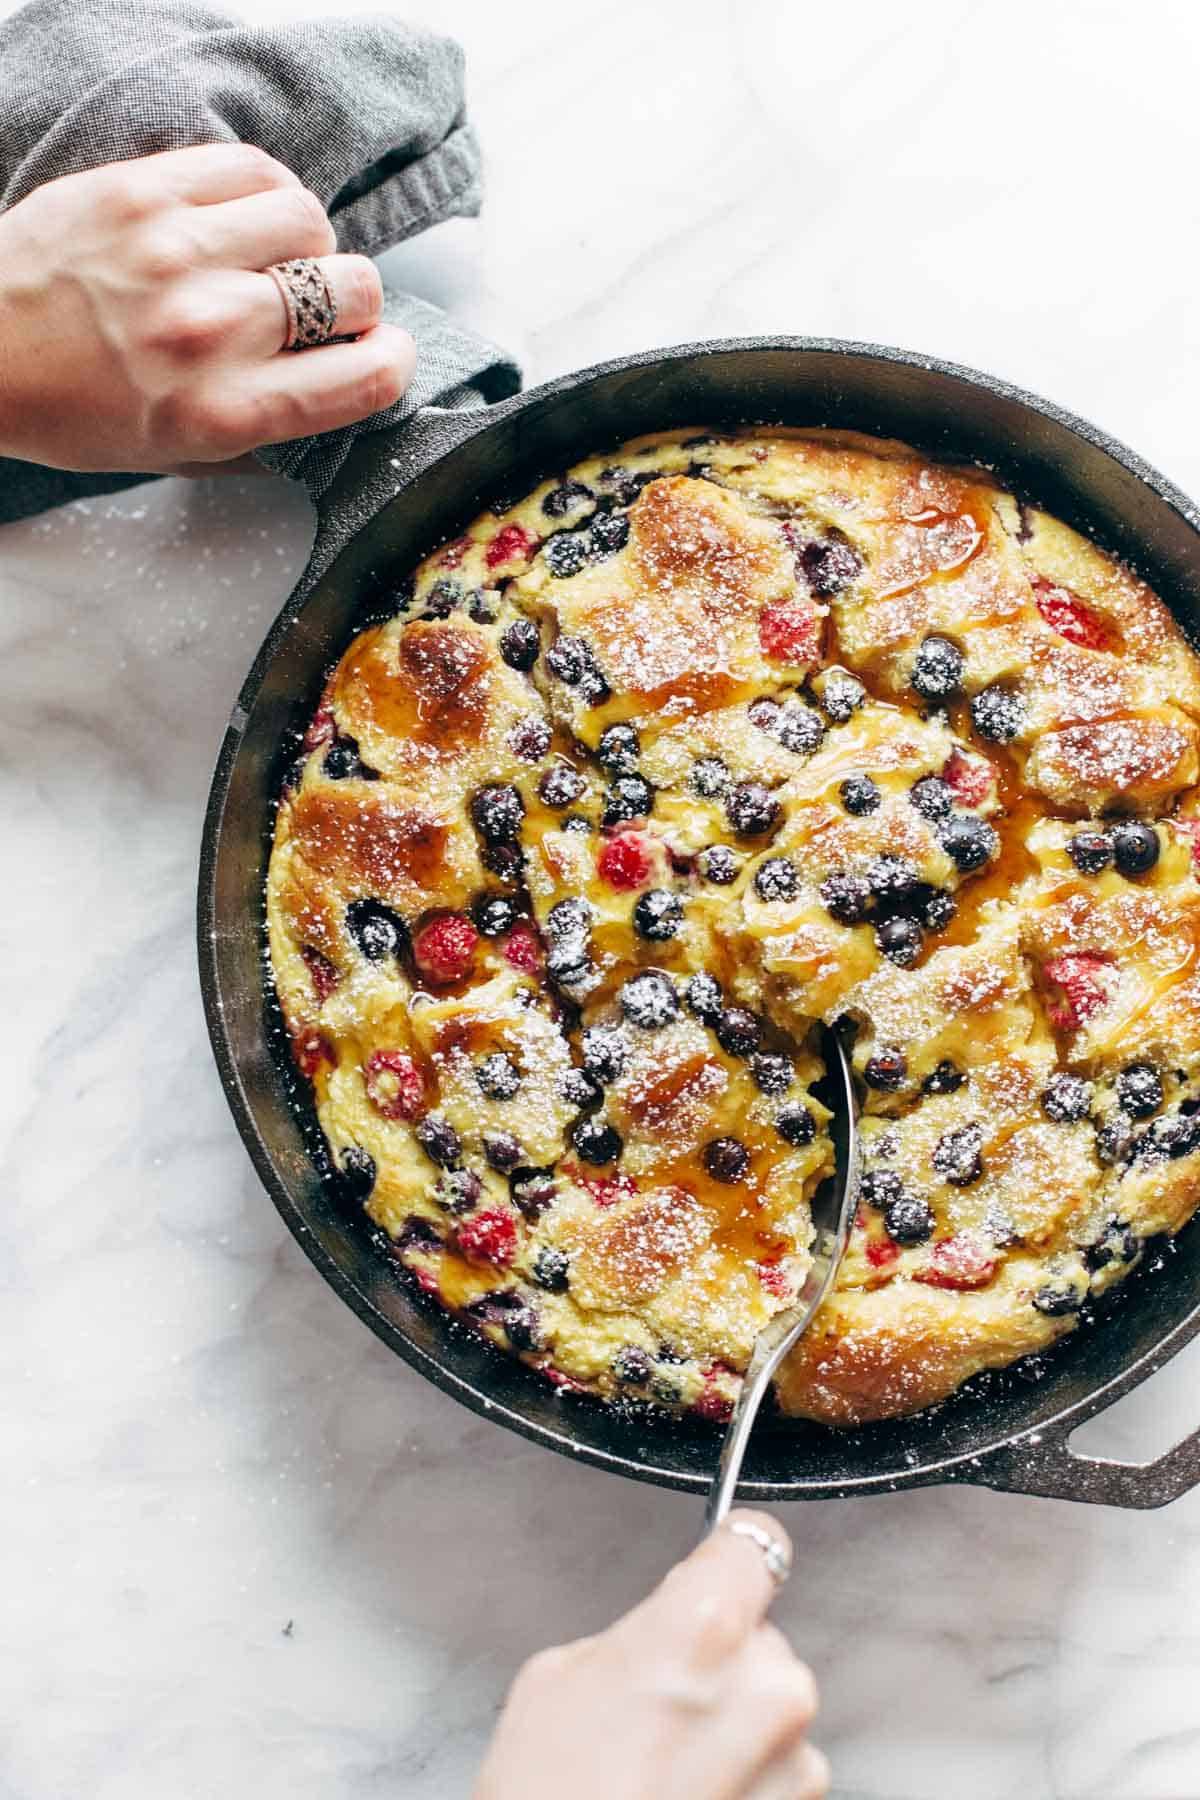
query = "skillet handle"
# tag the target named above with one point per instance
(1044, 1464)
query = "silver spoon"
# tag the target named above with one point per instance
(834, 1205)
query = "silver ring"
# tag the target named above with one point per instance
(776, 1553)
(308, 297)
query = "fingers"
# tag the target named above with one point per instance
(802, 1774)
(319, 390)
(357, 294)
(261, 228)
(712, 1601)
(771, 1700)
(206, 173)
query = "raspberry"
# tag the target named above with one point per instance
(1071, 617)
(1190, 829)
(789, 633)
(311, 1049)
(395, 1084)
(445, 949)
(969, 778)
(325, 975)
(1077, 976)
(489, 1236)
(321, 730)
(881, 1252)
(625, 861)
(775, 1279)
(711, 1403)
(962, 1261)
(509, 543)
(523, 948)
(606, 1190)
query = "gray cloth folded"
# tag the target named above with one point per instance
(367, 111)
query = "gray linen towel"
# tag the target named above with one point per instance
(367, 111)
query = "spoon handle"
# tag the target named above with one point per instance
(830, 1235)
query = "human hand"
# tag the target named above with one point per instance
(690, 1696)
(137, 331)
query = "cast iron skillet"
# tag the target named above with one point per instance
(1001, 1432)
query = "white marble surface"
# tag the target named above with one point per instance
(247, 1551)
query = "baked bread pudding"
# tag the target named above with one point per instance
(703, 742)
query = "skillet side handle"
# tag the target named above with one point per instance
(1044, 1465)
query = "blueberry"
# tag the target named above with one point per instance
(569, 918)
(1139, 1091)
(596, 1141)
(497, 811)
(418, 1234)
(532, 1191)
(561, 786)
(938, 669)
(576, 822)
(719, 865)
(626, 484)
(569, 659)
(738, 1031)
(494, 914)
(632, 1366)
(1057, 1300)
(846, 897)
(342, 761)
(860, 795)
(529, 739)
(502, 1150)
(565, 498)
(968, 842)
(439, 1140)
(772, 1074)
(605, 1052)
(799, 729)
(619, 749)
(828, 565)
(610, 533)
(506, 1309)
(710, 778)
(1173, 1137)
(842, 696)
(795, 1125)
(1090, 851)
(935, 907)
(657, 915)
(1119, 1244)
(443, 598)
(1114, 1138)
(480, 607)
(751, 809)
(565, 553)
(726, 1159)
(880, 1188)
(1135, 847)
(703, 997)
(376, 929)
(932, 797)
(908, 1219)
(649, 1000)
(629, 797)
(498, 1076)
(505, 860)
(886, 1071)
(458, 1190)
(764, 714)
(550, 1269)
(957, 1156)
(947, 1078)
(578, 1088)
(568, 963)
(1067, 1098)
(358, 1173)
(901, 940)
(777, 879)
(998, 714)
(892, 878)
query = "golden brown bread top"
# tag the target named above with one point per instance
(707, 740)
